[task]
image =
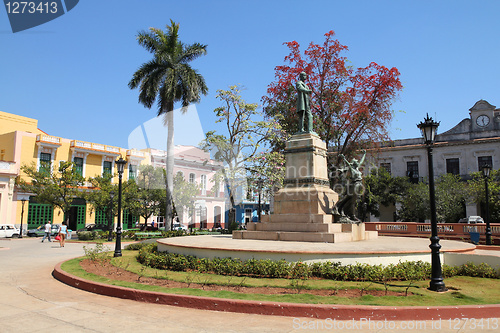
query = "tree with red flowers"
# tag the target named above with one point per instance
(351, 107)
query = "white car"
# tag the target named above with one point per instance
(178, 226)
(472, 220)
(9, 230)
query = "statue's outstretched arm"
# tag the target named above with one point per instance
(345, 160)
(363, 158)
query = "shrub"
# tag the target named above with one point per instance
(482, 270)
(232, 226)
(403, 271)
(135, 246)
(98, 253)
(449, 271)
(86, 235)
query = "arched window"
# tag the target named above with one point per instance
(203, 181)
(192, 178)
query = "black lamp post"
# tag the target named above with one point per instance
(259, 211)
(120, 164)
(486, 173)
(429, 128)
(23, 200)
(111, 217)
(23, 197)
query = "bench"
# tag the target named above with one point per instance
(146, 235)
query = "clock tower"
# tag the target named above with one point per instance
(482, 116)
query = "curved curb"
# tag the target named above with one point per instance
(338, 312)
(371, 251)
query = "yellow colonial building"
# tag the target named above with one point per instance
(22, 142)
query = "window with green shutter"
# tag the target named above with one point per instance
(106, 166)
(45, 162)
(78, 165)
(131, 171)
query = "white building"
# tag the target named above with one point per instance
(196, 167)
(473, 142)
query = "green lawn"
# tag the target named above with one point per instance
(462, 290)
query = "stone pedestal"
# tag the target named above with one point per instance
(302, 208)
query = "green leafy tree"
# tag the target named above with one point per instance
(146, 195)
(166, 79)
(414, 204)
(57, 187)
(451, 193)
(247, 135)
(477, 192)
(99, 197)
(184, 194)
(381, 189)
(266, 173)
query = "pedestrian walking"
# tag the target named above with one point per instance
(63, 229)
(48, 231)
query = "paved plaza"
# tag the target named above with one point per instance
(33, 301)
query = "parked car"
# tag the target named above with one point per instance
(178, 226)
(149, 228)
(40, 231)
(9, 230)
(471, 220)
(92, 227)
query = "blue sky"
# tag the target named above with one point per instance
(72, 73)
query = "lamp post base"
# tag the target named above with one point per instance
(118, 245)
(437, 285)
(488, 235)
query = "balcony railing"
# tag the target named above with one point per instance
(44, 138)
(6, 166)
(97, 147)
(458, 231)
(136, 153)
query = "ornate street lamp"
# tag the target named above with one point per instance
(429, 128)
(486, 174)
(111, 217)
(120, 165)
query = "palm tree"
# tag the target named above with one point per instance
(168, 78)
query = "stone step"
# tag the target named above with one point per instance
(323, 237)
(295, 227)
(297, 218)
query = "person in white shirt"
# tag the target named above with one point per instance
(48, 230)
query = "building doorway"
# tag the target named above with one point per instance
(77, 214)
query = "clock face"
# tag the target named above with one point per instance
(482, 120)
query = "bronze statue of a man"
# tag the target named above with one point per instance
(304, 104)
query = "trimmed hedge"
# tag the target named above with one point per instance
(402, 271)
(129, 234)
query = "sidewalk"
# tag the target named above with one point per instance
(33, 301)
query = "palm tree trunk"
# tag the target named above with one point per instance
(169, 119)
